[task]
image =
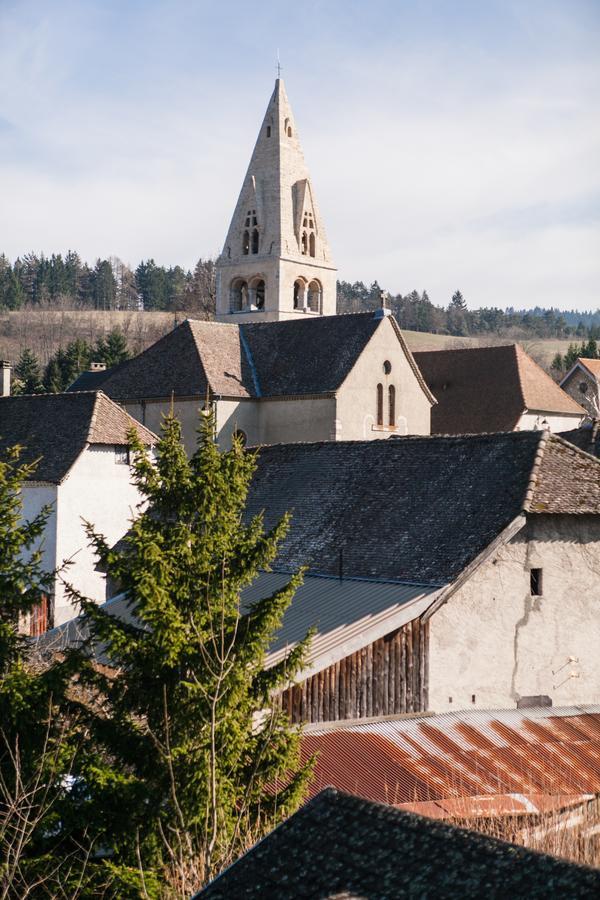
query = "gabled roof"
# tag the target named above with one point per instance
(338, 845)
(467, 763)
(587, 437)
(261, 359)
(415, 508)
(591, 365)
(486, 389)
(57, 427)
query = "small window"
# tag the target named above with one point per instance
(255, 240)
(246, 243)
(387, 367)
(473, 698)
(535, 581)
(380, 404)
(392, 406)
(289, 132)
(583, 387)
(311, 244)
(268, 131)
(122, 456)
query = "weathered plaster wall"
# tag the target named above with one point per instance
(294, 420)
(152, 412)
(357, 399)
(99, 490)
(532, 419)
(587, 398)
(494, 641)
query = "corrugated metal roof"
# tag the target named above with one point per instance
(465, 763)
(346, 613)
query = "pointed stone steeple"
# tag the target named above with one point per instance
(276, 263)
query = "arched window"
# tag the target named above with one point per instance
(259, 294)
(246, 243)
(314, 296)
(238, 295)
(299, 290)
(268, 131)
(311, 243)
(287, 127)
(255, 240)
(304, 243)
(392, 406)
(380, 404)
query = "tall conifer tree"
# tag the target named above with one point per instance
(210, 760)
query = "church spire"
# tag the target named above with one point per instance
(276, 262)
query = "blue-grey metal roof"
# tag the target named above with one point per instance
(346, 613)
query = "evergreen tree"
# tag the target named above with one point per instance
(208, 759)
(104, 286)
(558, 363)
(112, 349)
(28, 374)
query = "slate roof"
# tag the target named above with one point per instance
(587, 437)
(487, 389)
(340, 846)
(57, 427)
(415, 508)
(91, 380)
(260, 359)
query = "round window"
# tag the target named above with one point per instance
(387, 367)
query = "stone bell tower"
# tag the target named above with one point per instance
(276, 263)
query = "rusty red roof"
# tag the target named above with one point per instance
(470, 763)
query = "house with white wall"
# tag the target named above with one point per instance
(444, 573)
(486, 389)
(83, 474)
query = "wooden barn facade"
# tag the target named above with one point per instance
(387, 676)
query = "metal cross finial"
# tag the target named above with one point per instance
(278, 65)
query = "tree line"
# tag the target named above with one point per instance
(35, 279)
(416, 312)
(30, 377)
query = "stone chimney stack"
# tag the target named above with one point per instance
(5, 372)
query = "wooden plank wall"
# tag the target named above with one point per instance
(387, 677)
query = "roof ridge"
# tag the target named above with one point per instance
(533, 476)
(411, 360)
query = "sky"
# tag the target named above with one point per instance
(452, 144)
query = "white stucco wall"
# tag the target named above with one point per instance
(99, 490)
(495, 641)
(356, 411)
(532, 419)
(34, 497)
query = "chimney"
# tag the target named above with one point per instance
(97, 367)
(5, 371)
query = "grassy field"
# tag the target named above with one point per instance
(44, 330)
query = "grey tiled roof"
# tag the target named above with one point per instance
(55, 428)
(338, 845)
(415, 508)
(267, 359)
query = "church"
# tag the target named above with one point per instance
(278, 365)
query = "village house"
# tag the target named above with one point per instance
(486, 389)
(443, 573)
(83, 473)
(582, 382)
